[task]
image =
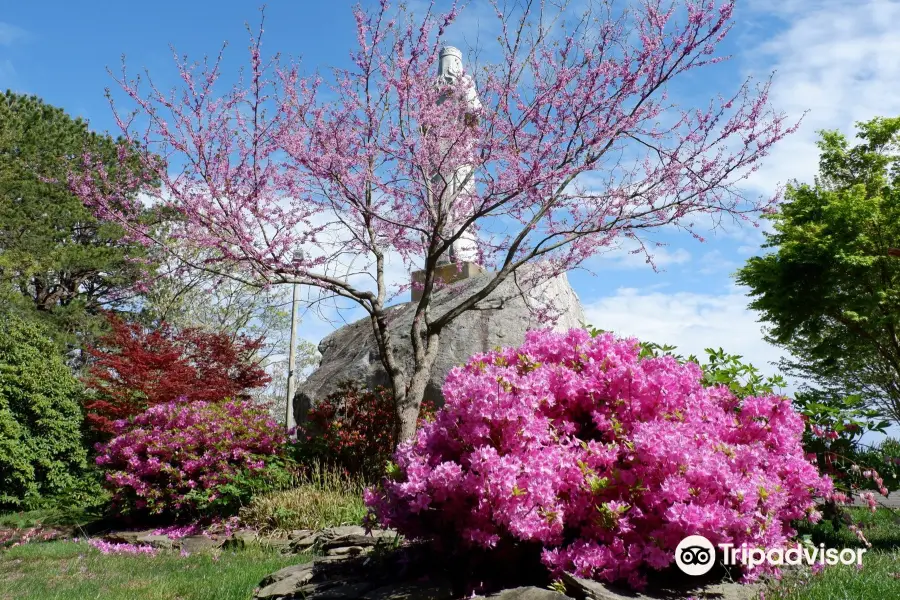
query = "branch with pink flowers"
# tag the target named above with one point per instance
(574, 146)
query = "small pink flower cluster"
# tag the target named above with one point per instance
(214, 528)
(878, 481)
(176, 532)
(114, 548)
(858, 532)
(178, 458)
(607, 459)
(829, 434)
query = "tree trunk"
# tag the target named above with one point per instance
(408, 408)
(412, 391)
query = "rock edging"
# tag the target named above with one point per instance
(348, 570)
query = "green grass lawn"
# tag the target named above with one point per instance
(879, 578)
(68, 570)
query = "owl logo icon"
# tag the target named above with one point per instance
(695, 555)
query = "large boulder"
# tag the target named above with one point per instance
(351, 354)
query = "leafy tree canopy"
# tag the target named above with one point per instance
(57, 260)
(831, 290)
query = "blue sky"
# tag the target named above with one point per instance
(835, 58)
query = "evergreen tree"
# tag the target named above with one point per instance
(58, 261)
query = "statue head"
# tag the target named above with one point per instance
(450, 63)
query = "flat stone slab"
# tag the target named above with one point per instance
(126, 537)
(589, 589)
(199, 543)
(163, 542)
(328, 540)
(526, 593)
(348, 572)
(285, 582)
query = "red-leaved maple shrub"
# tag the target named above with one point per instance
(353, 429)
(135, 368)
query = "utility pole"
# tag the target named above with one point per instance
(292, 359)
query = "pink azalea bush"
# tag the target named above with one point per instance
(605, 459)
(193, 459)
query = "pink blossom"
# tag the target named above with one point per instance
(606, 459)
(173, 457)
(113, 548)
(573, 148)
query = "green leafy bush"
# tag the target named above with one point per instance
(885, 458)
(835, 428)
(41, 452)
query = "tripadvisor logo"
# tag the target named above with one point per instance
(695, 555)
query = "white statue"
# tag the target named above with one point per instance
(465, 248)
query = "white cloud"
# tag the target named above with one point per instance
(836, 58)
(693, 322)
(689, 321)
(623, 258)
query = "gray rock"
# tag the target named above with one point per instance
(198, 543)
(343, 530)
(347, 551)
(527, 593)
(351, 354)
(157, 541)
(241, 539)
(126, 537)
(303, 570)
(332, 559)
(350, 540)
(594, 590)
(304, 544)
(285, 583)
(412, 591)
(333, 538)
(345, 590)
(281, 544)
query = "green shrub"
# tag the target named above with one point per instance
(41, 452)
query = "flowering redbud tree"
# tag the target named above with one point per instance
(573, 148)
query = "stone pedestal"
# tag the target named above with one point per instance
(449, 273)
